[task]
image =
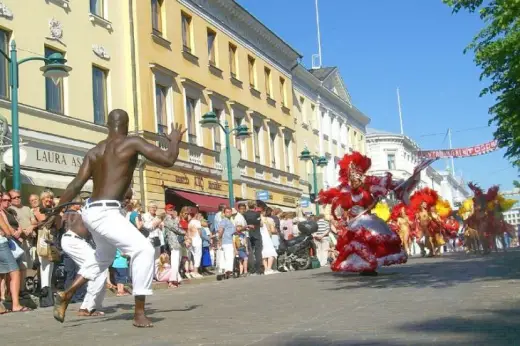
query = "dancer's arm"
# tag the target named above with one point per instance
(75, 186)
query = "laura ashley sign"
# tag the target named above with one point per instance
(52, 158)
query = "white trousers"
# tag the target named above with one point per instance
(46, 268)
(175, 259)
(229, 257)
(322, 250)
(110, 231)
(80, 252)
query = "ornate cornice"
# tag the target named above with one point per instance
(231, 18)
(5, 11)
(100, 51)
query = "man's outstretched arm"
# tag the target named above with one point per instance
(165, 158)
(75, 186)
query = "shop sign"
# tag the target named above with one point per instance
(305, 202)
(215, 185)
(262, 195)
(182, 179)
(288, 199)
(52, 158)
(199, 182)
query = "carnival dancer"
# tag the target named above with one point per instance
(365, 241)
(471, 241)
(451, 226)
(421, 203)
(403, 216)
(76, 242)
(111, 164)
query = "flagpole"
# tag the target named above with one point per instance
(319, 35)
(452, 162)
(399, 107)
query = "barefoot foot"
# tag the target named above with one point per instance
(60, 306)
(93, 313)
(141, 321)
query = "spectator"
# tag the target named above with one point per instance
(226, 229)
(272, 228)
(253, 220)
(34, 201)
(241, 250)
(322, 240)
(206, 242)
(194, 232)
(286, 225)
(218, 216)
(268, 251)
(8, 264)
(174, 238)
(163, 270)
(120, 266)
(152, 222)
(27, 222)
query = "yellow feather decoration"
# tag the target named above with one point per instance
(382, 211)
(443, 208)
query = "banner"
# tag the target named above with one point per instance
(461, 152)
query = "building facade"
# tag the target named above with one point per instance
(195, 56)
(60, 122)
(396, 153)
(326, 123)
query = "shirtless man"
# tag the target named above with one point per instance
(76, 243)
(111, 165)
(436, 230)
(423, 234)
(404, 230)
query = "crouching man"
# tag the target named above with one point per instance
(77, 243)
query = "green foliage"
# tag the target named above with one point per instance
(516, 184)
(497, 53)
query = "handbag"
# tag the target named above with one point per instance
(15, 249)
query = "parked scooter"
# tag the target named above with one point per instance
(296, 253)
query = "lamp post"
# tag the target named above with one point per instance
(54, 68)
(320, 161)
(210, 120)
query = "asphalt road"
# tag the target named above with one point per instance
(454, 300)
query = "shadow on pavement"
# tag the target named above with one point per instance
(485, 327)
(127, 316)
(449, 270)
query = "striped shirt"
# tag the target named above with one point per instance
(323, 228)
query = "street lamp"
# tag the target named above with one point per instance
(210, 120)
(320, 161)
(54, 68)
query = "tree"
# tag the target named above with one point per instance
(497, 53)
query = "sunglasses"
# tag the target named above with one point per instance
(6, 200)
(15, 197)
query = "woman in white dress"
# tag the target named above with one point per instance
(268, 251)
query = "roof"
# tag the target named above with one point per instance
(322, 73)
(371, 131)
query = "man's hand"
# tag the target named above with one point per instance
(177, 133)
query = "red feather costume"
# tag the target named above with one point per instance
(365, 241)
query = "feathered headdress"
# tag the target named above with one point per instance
(466, 209)
(481, 198)
(353, 163)
(506, 203)
(423, 195)
(396, 211)
(443, 208)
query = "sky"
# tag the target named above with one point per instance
(380, 45)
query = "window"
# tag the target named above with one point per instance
(282, 91)
(99, 91)
(217, 132)
(233, 60)
(53, 91)
(160, 109)
(251, 66)
(96, 7)
(272, 144)
(303, 110)
(212, 35)
(157, 16)
(287, 153)
(391, 161)
(267, 74)
(4, 67)
(256, 142)
(238, 143)
(186, 31)
(192, 121)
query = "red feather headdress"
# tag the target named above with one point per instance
(353, 162)
(423, 195)
(396, 212)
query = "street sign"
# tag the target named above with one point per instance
(305, 202)
(262, 195)
(235, 159)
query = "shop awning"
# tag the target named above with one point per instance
(208, 204)
(53, 181)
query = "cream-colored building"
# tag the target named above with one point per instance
(59, 123)
(327, 123)
(196, 56)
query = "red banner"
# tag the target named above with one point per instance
(461, 152)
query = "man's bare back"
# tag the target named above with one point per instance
(111, 163)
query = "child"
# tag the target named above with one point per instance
(240, 244)
(187, 258)
(163, 270)
(120, 266)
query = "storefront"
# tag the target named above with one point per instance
(47, 162)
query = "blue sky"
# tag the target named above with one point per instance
(415, 45)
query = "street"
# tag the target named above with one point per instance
(457, 300)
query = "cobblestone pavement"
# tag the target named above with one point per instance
(455, 300)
